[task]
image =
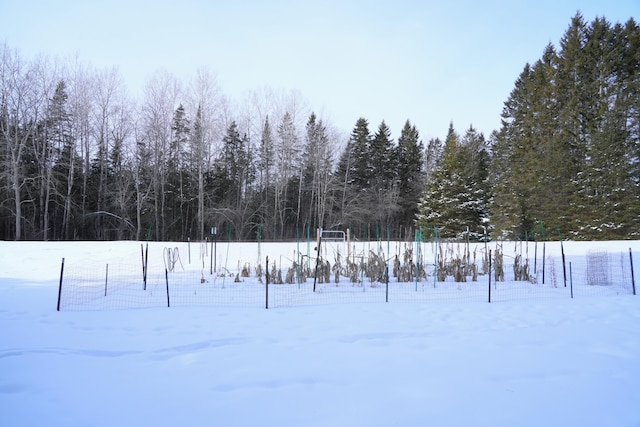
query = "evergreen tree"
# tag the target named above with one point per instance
(354, 164)
(409, 158)
(265, 156)
(231, 165)
(441, 199)
(383, 186)
(265, 164)
(197, 155)
(564, 156)
(232, 182)
(433, 154)
(62, 142)
(566, 152)
(514, 163)
(180, 206)
(455, 200)
(530, 154)
(381, 167)
(607, 184)
(352, 177)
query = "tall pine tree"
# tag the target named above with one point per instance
(566, 155)
(455, 199)
(409, 160)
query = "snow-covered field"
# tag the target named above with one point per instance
(552, 361)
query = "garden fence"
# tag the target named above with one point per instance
(271, 275)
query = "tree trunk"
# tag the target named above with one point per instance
(67, 201)
(18, 202)
(47, 198)
(200, 200)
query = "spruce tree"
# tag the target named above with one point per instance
(381, 161)
(352, 178)
(567, 149)
(360, 170)
(62, 141)
(607, 186)
(232, 164)
(433, 154)
(178, 186)
(455, 199)
(265, 164)
(382, 192)
(409, 159)
(197, 154)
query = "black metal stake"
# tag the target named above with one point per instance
(564, 269)
(489, 275)
(386, 279)
(571, 280)
(60, 285)
(145, 266)
(315, 275)
(166, 279)
(144, 275)
(633, 279)
(267, 287)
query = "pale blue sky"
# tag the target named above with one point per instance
(429, 62)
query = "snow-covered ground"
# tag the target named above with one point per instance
(553, 361)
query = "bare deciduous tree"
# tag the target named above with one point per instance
(161, 98)
(207, 99)
(21, 106)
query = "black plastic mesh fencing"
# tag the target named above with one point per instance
(236, 275)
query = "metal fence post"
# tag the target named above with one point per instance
(166, 279)
(266, 305)
(633, 279)
(489, 275)
(60, 285)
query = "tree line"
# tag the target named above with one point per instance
(565, 162)
(82, 159)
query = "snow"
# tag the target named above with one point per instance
(555, 361)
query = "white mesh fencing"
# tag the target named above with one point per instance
(362, 272)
